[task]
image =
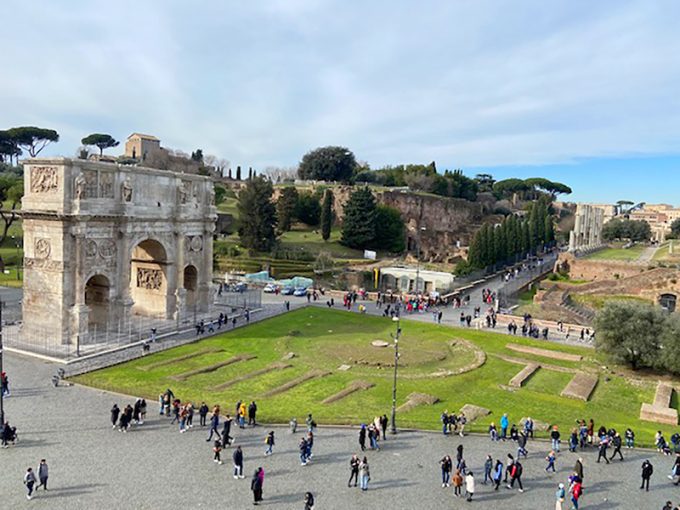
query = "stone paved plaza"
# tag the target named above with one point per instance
(153, 466)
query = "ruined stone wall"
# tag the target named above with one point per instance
(596, 270)
(447, 221)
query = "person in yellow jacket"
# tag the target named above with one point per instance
(242, 416)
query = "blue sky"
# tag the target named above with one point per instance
(580, 91)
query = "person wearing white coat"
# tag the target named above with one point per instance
(469, 486)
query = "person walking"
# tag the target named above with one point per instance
(309, 501)
(353, 470)
(576, 490)
(115, 413)
(469, 486)
(252, 414)
(617, 443)
(516, 476)
(269, 441)
(551, 462)
(457, 483)
(217, 449)
(203, 413)
(383, 426)
(447, 466)
(256, 485)
(43, 474)
(303, 451)
(214, 423)
(226, 429)
(29, 482)
(365, 474)
(362, 437)
(559, 496)
(602, 451)
(521, 445)
(647, 470)
(238, 463)
(497, 475)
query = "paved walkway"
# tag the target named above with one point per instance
(647, 254)
(154, 467)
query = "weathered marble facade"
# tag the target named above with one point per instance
(104, 242)
(587, 233)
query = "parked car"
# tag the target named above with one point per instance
(270, 288)
(288, 291)
(300, 291)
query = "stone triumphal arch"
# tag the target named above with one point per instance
(104, 243)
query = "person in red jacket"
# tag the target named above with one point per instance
(576, 491)
(516, 476)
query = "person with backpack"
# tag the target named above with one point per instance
(353, 470)
(516, 476)
(269, 441)
(647, 471)
(602, 451)
(447, 466)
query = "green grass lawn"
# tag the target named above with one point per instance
(597, 301)
(618, 253)
(663, 255)
(308, 239)
(325, 339)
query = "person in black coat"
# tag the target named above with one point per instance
(115, 412)
(362, 437)
(238, 462)
(647, 470)
(203, 413)
(309, 501)
(226, 428)
(256, 485)
(617, 443)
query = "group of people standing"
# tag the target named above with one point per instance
(123, 418)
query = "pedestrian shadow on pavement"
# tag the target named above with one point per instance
(70, 491)
(283, 498)
(389, 484)
(27, 392)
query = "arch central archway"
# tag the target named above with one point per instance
(668, 302)
(149, 287)
(97, 298)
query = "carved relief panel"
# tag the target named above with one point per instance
(44, 179)
(149, 279)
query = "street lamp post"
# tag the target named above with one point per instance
(393, 429)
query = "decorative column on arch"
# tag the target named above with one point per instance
(80, 312)
(180, 291)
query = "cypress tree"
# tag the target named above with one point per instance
(250, 172)
(327, 215)
(285, 207)
(238, 173)
(230, 173)
(473, 251)
(549, 230)
(257, 215)
(358, 227)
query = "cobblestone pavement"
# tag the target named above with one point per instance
(153, 466)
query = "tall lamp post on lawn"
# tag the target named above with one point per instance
(393, 429)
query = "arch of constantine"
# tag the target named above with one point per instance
(105, 242)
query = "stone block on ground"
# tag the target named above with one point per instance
(417, 399)
(564, 356)
(665, 415)
(523, 375)
(663, 395)
(473, 412)
(379, 343)
(352, 387)
(288, 356)
(581, 386)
